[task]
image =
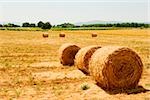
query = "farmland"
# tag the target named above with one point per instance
(30, 67)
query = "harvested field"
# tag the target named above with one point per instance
(30, 67)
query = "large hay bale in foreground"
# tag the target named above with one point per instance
(45, 35)
(62, 35)
(83, 57)
(67, 53)
(94, 34)
(116, 68)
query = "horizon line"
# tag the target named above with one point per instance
(84, 1)
(109, 22)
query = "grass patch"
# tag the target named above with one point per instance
(21, 29)
(85, 87)
(147, 85)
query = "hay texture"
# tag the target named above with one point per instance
(83, 57)
(62, 35)
(94, 34)
(116, 68)
(67, 53)
(45, 35)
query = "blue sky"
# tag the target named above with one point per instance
(60, 11)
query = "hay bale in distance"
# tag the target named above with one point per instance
(116, 68)
(67, 53)
(83, 57)
(62, 34)
(45, 35)
(94, 34)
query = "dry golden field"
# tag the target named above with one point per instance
(30, 68)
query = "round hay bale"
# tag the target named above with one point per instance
(45, 35)
(83, 57)
(67, 53)
(62, 35)
(94, 34)
(116, 68)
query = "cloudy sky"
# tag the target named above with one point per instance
(60, 11)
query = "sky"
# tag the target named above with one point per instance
(73, 11)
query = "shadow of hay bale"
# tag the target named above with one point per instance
(138, 89)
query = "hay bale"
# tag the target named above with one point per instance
(94, 34)
(67, 53)
(62, 35)
(83, 56)
(45, 35)
(116, 68)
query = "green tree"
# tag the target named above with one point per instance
(26, 24)
(40, 24)
(66, 25)
(11, 25)
(32, 25)
(46, 25)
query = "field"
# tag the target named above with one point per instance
(30, 67)
(58, 29)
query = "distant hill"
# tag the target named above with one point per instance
(97, 22)
(104, 22)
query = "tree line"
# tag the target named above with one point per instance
(136, 25)
(40, 24)
(47, 25)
